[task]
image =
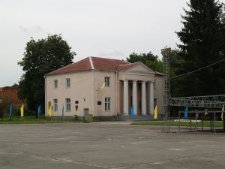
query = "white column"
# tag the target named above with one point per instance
(125, 98)
(151, 98)
(143, 98)
(134, 94)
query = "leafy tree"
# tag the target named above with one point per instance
(41, 57)
(148, 59)
(15, 85)
(202, 38)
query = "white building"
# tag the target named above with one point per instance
(103, 87)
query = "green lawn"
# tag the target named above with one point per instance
(31, 120)
(173, 123)
(43, 120)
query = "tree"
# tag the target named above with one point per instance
(202, 40)
(41, 57)
(148, 59)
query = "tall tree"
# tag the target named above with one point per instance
(41, 57)
(202, 40)
(148, 59)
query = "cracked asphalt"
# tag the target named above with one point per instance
(106, 145)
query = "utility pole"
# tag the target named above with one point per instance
(166, 52)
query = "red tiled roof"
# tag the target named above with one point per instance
(95, 63)
(107, 64)
(82, 65)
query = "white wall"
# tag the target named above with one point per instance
(85, 88)
(80, 90)
(100, 94)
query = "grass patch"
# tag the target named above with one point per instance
(31, 120)
(186, 124)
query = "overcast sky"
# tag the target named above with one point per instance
(104, 28)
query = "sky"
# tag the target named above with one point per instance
(102, 28)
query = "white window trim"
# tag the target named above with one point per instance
(107, 84)
(55, 83)
(107, 104)
(68, 82)
(55, 105)
(68, 105)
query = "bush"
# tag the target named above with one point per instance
(4, 106)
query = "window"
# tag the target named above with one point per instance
(55, 84)
(68, 82)
(107, 81)
(55, 105)
(68, 105)
(107, 104)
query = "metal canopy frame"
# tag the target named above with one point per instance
(199, 117)
(213, 101)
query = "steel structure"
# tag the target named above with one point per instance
(166, 71)
(166, 102)
(199, 117)
(214, 101)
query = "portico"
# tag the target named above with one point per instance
(139, 94)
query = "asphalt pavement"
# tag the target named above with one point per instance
(105, 145)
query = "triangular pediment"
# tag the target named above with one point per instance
(140, 68)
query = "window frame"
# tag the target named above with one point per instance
(68, 82)
(55, 83)
(107, 103)
(55, 103)
(68, 104)
(107, 81)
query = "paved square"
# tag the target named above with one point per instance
(107, 146)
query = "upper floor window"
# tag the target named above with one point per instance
(55, 83)
(107, 81)
(68, 82)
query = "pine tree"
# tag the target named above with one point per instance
(202, 40)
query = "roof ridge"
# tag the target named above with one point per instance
(91, 62)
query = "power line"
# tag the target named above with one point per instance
(198, 69)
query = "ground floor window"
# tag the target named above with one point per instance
(68, 105)
(55, 105)
(107, 104)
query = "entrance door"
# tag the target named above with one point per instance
(86, 111)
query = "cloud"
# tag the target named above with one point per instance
(111, 53)
(32, 30)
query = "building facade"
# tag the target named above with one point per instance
(103, 87)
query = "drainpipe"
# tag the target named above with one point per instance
(93, 92)
(116, 94)
(46, 96)
(93, 88)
